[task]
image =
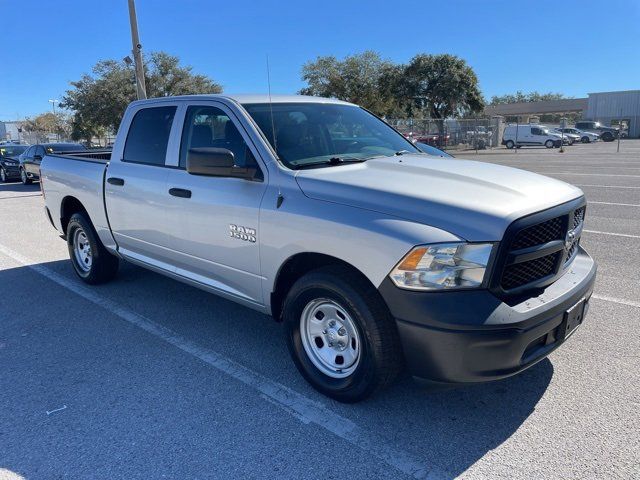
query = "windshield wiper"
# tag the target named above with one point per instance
(402, 152)
(331, 161)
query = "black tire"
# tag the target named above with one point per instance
(24, 178)
(549, 144)
(380, 357)
(103, 266)
(585, 139)
(607, 137)
(3, 176)
(509, 144)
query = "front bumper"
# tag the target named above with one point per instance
(470, 336)
(11, 170)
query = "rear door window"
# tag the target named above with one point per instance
(149, 135)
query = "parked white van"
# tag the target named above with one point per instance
(526, 135)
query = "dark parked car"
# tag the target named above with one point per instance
(31, 158)
(9, 163)
(607, 134)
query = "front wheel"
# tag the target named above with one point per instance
(585, 139)
(549, 143)
(607, 137)
(24, 177)
(91, 261)
(340, 334)
(3, 176)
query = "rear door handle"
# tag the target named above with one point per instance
(115, 181)
(180, 192)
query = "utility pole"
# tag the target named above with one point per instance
(55, 119)
(137, 52)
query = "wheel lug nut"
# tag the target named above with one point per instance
(331, 344)
(324, 332)
(342, 331)
(332, 323)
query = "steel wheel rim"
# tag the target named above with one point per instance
(3, 176)
(330, 338)
(82, 250)
(23, 175)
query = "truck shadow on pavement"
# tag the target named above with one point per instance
(449, 429)
(19, 188)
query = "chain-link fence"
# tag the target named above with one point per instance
(454, 133)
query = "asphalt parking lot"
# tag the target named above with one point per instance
(149, 378)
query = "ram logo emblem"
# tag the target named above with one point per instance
(569, 240)
(242, 233)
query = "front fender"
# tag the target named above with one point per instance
(370, 241)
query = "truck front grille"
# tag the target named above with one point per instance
(536, 253)
(539, 234)
(526, 272)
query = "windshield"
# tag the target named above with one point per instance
(316, 133)
(11, 150)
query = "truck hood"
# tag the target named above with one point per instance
(473, 200)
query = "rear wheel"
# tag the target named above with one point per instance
(509, 144)
(24, 178)
(91, 261)
(3, 175)
(607, 137)
(340, 334)
(549, 143)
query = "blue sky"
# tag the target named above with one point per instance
(573, 47)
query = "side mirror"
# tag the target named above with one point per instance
(216, 162)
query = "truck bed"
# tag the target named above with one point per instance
(100, 156)
(78, 175)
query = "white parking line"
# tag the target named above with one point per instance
(613, 203)
(621, 301)
(627, 235)
(301, 407)
(605, 186)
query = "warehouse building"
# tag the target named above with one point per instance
(616, 108)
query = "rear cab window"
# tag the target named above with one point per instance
(148, 136)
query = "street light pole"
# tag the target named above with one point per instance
(53, 106)
(137, 52)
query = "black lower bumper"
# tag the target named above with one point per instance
(11, 171)
(472, 336)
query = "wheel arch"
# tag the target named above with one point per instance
(69, 206)
(298, 265)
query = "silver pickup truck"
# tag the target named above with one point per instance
(375, 256)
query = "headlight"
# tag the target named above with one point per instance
(443, 266)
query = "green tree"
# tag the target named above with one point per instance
(357, 78)
(439, 86)
(521, 97)
(48, 123)
(99, 100)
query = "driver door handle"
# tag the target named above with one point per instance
(116, 181)
(180, 192)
